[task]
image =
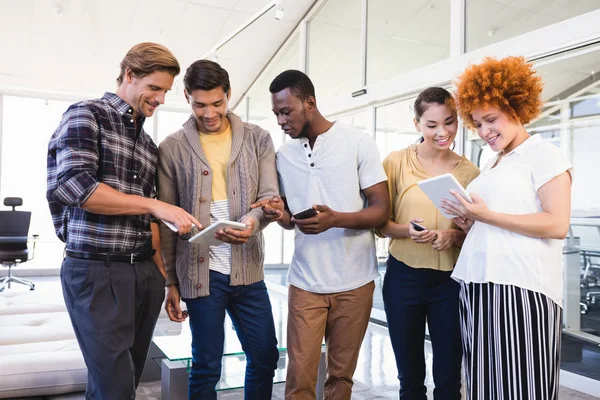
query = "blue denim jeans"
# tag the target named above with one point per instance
(411, 296)
(250, 311)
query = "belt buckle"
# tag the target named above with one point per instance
(132, 255)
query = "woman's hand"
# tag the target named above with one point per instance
(463, 223)
(421, 237)
(475, 211)
(445, 239)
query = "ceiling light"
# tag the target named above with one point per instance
(279, 9)
(57, 7)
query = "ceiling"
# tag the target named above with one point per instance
(75, 46)
(77, 50)
(562, 73)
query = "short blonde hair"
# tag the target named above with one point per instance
(146, 58)
(510, 84)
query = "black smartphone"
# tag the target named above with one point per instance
(306, 213)
(418, 227)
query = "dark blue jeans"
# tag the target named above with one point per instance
(250, 311)
(411, 296)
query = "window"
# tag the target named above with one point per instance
(395, 128)
(404, 35)
(586, 108)
(334, 51)
(491, 21)
(24, 151)
(359, 120)
(169, 122)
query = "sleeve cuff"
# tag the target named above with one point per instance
(171, 279)
(76, 190)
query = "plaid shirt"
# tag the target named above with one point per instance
(97, 141)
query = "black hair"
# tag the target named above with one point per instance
(298, 82)
(205, 75)
(432, 95)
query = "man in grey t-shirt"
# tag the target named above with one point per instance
(334, 169)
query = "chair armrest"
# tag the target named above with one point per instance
(13, 239)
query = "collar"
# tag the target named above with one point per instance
(190, 132)
(532, 141)
(322, 137)
(235, 123)
(118, 104)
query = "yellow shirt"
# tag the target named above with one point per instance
(217, 149)
(408, 202)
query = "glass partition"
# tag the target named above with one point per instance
(404, 35)
(334, 49)
(169, 122)
(24, 150)
(395, 128)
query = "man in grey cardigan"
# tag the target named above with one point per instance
(215, 167)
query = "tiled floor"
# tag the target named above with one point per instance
(375, 375)
(578, 356)
(151, 391)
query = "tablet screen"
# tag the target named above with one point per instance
(438, 188)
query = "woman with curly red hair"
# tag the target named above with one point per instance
(510, 266)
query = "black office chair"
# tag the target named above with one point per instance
(14, 228)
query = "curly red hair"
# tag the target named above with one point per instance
(510, 84)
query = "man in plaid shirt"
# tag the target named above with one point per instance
(101, 193)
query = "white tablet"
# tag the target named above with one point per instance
(172, 226)
(438, 188)
(207, 235)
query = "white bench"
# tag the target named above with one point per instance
(39, 355)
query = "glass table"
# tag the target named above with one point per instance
(177, 350)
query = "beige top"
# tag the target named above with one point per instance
(408, 202)
(217, 150)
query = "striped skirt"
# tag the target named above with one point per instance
(511, 342)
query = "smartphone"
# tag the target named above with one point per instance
(418, 227)
(306, 213)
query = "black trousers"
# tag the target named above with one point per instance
(412, 296)
(113, 308)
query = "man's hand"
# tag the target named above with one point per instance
(445, 239)
(233, 236)
(172, 305)
(176, 215)
(272, 208)
(421, 237)
(325, 219)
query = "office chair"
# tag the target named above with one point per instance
(14, 228)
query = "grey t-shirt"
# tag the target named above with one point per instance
(343, 162)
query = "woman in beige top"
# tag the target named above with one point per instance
(417, 286)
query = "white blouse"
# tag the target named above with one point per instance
(492, 254)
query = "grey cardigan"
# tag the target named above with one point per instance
(184, 178)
